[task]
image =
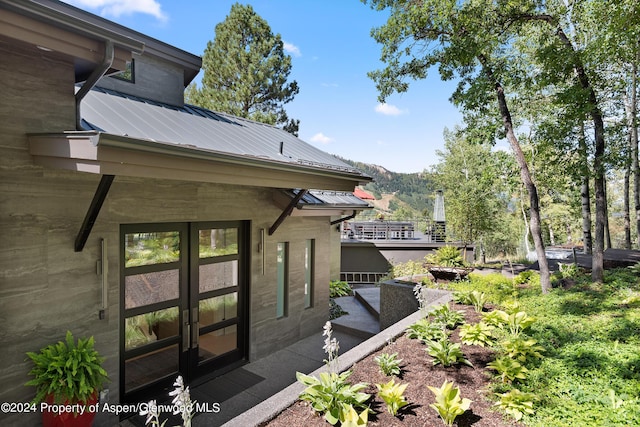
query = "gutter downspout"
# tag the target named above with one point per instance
(96, 75)
(337, 221)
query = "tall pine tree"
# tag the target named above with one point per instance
(246, 71)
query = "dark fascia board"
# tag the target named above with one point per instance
(103, 139)
(78, 20)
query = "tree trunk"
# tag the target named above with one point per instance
(585, 193)
(607, 233)
(627, 203)
(534, 208)
(632, 123)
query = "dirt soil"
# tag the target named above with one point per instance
(419, 372)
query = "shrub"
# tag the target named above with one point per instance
(339, 288)
(446, 256)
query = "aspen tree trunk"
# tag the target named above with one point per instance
(525, 175)
(585, 194)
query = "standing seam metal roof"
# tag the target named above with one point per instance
(117, 113)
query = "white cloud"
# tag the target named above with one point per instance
(321, 138)
(389, 110)
(291, 48)
(116, 8)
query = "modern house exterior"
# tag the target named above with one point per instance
(184, 240)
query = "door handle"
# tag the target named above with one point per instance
(186, 331)
(195, 338)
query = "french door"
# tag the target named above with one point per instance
(183, 303)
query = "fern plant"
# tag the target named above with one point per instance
(389, 364)
(446, 353)
(476, 334)
(69, 371)
(393, 395)
(448, 403)
(516, 403)
(508, 369)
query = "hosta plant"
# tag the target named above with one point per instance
(446, 353)
(521, 349)
(331, 392)
(508, 369)
(478, 300)
(516, 403)
(449, 404)
(393, 395)
(476, 334)
(349, 417)
(444, 315)
(338, 288)
(519, 321)
(426, 330)
(497, 318)
(389, 364)
(461, 297)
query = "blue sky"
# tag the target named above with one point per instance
(332, 51)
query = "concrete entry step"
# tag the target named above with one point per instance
(370, 299)
(359, 322)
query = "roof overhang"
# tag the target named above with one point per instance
(51, 28)
(107, 154)
(321, 203)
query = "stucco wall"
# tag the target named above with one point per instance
(46, 288)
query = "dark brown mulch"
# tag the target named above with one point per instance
(419, 372)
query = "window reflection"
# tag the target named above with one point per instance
(218, 242)
(152, 248)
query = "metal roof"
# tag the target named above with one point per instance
(324, 199)
(189, 126)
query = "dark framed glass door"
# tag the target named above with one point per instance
(183, 303)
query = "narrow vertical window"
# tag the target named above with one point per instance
(309, 261)
(282, 265)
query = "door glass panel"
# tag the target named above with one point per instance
(149, 367)
(217, 242)
(150, 288)
(218, 342)
(151, 248)
(150, 327)
(218, 276)
(217, 309)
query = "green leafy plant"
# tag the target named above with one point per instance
(516, 403)
(446, 353)
(476, 334)
(461, 297)
(521, 349)
(426, 330)
(389, 364)
(69, 371)
(444, 315)
(508, 369)
(568, 271)
(519, 321)
(496, 318)
(448, 403)
(446, 256)
(393, 395)
(349, 417)
(330, 393)
(339, 288)
(478, 300)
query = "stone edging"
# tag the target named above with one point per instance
(270, 408)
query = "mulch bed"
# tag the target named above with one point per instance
(418, 371)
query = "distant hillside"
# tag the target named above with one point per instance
(413, 190)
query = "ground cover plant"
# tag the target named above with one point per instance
(566, 358)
